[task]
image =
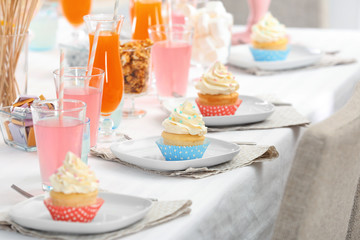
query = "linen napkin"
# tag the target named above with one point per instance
(248, 155)
(160, 212)
(283, 116)
(327, 60)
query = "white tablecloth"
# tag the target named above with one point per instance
(241, 204)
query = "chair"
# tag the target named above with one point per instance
(304, 13)
(322, 193)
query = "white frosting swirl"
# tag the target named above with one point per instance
(185, 119)
(217, 81)
(74, 177)
(268, 29)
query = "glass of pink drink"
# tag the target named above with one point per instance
(171, 55)
(57, 131)
(87, 89)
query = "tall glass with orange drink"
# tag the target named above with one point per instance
(74, 11)
(107, 57)
(146, 13)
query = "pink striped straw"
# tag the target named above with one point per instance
(106, 69)
(116, 8)
(61, 82)
(170, 24)
(93, 49)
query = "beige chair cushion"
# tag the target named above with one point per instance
(320, 191)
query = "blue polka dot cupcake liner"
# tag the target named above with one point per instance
(269, 55)
(182, 153)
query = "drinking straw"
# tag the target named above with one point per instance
(169, 10)
(106, 69)
(61, 83)
(93, 50)
(116, 8)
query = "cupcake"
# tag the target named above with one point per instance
(183, 137)
(74, 193)
(217, 92)
(269, 40)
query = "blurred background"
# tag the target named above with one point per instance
(335, 14)
(343, 14)
(340, 14)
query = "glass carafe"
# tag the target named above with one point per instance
(107, 57)
(146, 13)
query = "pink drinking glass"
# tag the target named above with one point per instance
(171, 55)
(58, 130)
(79, 86)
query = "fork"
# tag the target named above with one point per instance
(21, 191)
(28, 195)
(127, 137)
(244, 143)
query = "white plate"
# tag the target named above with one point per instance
(118, 211)
(251, 110)
(145, 153)
(299, 56)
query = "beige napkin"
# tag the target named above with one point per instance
(326, 61)
(160, 212)
(283, 116)
(248, 155)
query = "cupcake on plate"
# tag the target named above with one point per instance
(217, 92)
(269, 40)
(184, 134)
(74, 194)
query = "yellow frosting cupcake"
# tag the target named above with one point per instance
(269, 34)
(184, 134)
(74, 184)
(74, 194)
(217, 94)
(184, 127)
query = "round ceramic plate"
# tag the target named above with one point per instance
(299, 56)
(251, 110)
(118, 211)
(146, 154)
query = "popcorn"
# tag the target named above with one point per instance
(135, 60)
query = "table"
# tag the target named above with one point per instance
(240, 204)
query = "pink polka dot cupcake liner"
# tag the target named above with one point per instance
(73, 214)
(221, 110)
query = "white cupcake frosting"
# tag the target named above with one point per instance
(217, 80)
(268, 29)
(74, 176)
(185, 119)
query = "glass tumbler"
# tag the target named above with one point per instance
(171, 55)
(58, 130)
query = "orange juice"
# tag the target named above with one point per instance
(113, 81)
(74, 11)
(131, 10)
(146, 13)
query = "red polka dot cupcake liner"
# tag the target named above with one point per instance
(73, 214)
(221, 110)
